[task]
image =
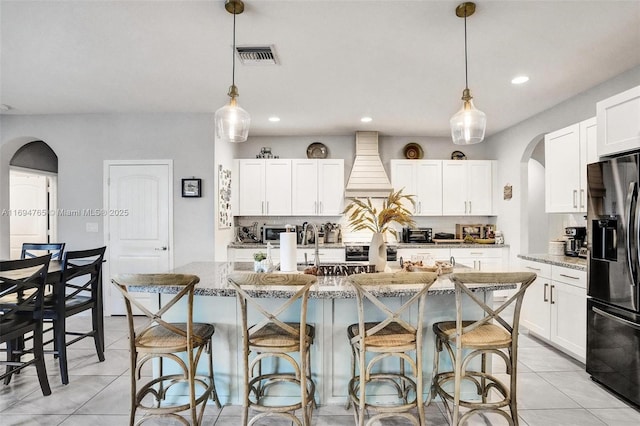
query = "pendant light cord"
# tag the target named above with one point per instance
(466, 70)
(233, 52)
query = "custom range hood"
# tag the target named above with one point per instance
(368, 177)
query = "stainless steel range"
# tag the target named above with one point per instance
(360, 253)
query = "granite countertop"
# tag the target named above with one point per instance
(565, 261)
(213, 282)
(398, 245)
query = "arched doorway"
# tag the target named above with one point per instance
(33, 172)
(537, 226)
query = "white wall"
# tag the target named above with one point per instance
(512, 148)
(83, 142)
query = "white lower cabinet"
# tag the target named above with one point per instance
(554, 307)
(434, 253)
(326, 254)
(482, 259)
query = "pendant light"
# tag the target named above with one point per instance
(468, 124)
(232, 122)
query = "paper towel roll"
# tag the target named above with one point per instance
(288, 245)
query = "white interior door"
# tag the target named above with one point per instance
(138, 197)
(28, 222)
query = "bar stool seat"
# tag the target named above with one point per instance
(495, 333)
(271, 336)
(159, 339)
(484, 337)
(166, 342)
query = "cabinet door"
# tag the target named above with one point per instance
(435, 253)
(304, 187)
(480, 187)
(589, 134)
(535, 315)
(562, 170)
(486, 259)
(246, 254)
(588, 155)
(428, 187)
(403, 177)
(619, 123)
(252, 187)
(454, 188)
(569, 318)
(330, 187)
(277, 187)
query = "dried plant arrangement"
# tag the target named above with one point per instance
(362, 215)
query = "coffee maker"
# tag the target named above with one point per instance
(576, 236)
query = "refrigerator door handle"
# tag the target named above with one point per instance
(632, 194)
(615, 318)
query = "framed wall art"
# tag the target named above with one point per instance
(225, 217)
(191, 187)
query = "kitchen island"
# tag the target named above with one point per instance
(331, 309)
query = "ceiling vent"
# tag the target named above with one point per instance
(257, 55)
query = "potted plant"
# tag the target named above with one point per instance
(363, 215)
(257, 261)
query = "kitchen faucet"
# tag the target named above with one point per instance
(316, 249)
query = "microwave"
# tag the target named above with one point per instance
(417, 235)
(271, 233)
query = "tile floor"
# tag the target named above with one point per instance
(553, 390)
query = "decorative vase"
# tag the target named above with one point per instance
(378, 252)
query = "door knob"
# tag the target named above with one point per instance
(164, 248)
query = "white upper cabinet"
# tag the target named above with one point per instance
(619, 123)
(331, 187)
(317, 187)
(422, 178)
(567, 152)
(589, 132)
(265, 187)
(467, 187)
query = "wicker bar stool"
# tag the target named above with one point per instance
(398, 335)
(161, 340)
(496, 333)
(272, 340)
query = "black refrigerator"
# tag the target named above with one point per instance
(613, 310)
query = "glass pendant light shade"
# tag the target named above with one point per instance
(232, 122)
(468, 125)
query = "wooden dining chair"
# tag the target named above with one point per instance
(154, 338)
(30, 250)
(21, 297)
(79, 290)
(268, 345)
(465, 340)
(397, 336)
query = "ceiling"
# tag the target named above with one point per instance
(400, 62)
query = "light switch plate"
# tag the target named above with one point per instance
(92, 227)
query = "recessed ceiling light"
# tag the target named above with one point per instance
(274, 119)
(520, 79)
(366, 119)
